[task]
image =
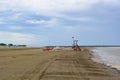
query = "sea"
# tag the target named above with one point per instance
(109, 56)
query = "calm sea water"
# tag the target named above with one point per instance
(107, 55)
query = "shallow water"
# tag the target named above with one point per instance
(107, 55)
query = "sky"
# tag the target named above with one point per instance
(55, 22)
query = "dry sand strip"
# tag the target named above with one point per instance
(35, 64)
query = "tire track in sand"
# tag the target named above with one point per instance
(74, 66)
(37, 72)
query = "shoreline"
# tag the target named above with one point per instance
(113, 68)
(96, 58)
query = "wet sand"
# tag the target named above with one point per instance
(35, 64)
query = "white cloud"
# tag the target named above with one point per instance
(69, 17)
(21, 38)
(51, 6)
(23, 11)
(47, 23)
(112, 2)
(36, 21)
(55, 8)
(17, 15)
(79, 29)
(18, 38)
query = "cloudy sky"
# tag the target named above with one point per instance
(54, 22)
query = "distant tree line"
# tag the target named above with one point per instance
(11, 45)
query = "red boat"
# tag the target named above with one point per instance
(47, 49)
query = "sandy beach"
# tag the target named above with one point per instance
(36, 64)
